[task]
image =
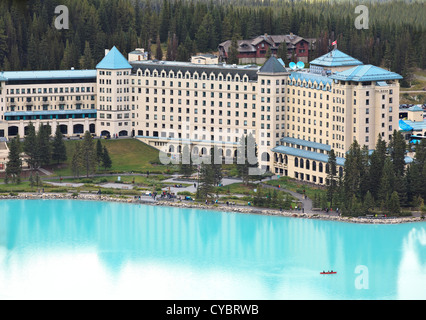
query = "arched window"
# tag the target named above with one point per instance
(307, 164)
(320, 167)
(301, 163)
(314, 165)
(296, 162)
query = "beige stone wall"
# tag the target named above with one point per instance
(115, 115)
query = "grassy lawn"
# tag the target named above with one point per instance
(296, 186)
(127, 155)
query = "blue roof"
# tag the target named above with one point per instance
(307, 154)
(404, 126)
(366, 72)
(407, 125)
(336, 58)
(415, 108)
(305, 143)
(114, 60)
(48, 74)
(308, 76)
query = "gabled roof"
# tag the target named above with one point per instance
(336, 58)
(366, 73)
(272, 66)
(114, 60)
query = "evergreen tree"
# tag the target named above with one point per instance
(216, 165)
(30, 147)
(331, 177)
(44, 147)
(368, 203)
(77, 160)
(397, 148)
(106, 159)
(14, 163)
(393, 206)
(283, 53)
(206, 182)
(159, 51)
(377, 161)
(353, 168)
(86, 61)
(387, 182)
(59, 151)
(247, 158)
(233, 51)
(99, 151)
(88, 154)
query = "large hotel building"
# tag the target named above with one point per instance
(296, 115)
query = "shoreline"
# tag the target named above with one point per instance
(231, 209)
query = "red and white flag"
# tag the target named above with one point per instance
(334, 43)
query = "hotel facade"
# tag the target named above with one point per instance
(295, 115)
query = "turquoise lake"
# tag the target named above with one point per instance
(67, 249)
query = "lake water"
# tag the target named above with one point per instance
(99, 250)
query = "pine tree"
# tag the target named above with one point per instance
(99, 152)
(206, 182)
(216, 165)
(393, 204)
(77, 160)
(30, 147)
(368, 202)
(283, 53)
(59, 151)
(14, 164)
(247, 158)
(353, 168)
(44, 147)
(159, 51)
(233, 51)
(88, 154)
(387, 182)
(86, 61)
(106, 160)
(397, 148)
(377, 161)
(331, 177)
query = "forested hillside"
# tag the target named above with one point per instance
(395, 39)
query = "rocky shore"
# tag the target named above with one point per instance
(225, 208)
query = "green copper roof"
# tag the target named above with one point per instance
(272, 66)
(365, 73)
(336, 58)
(47, 75)
(114, 60)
